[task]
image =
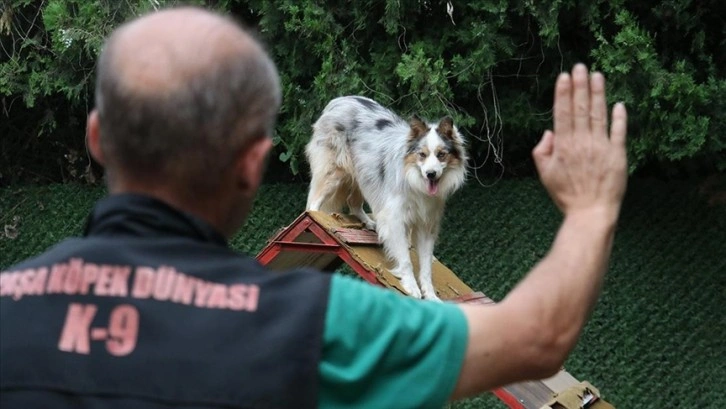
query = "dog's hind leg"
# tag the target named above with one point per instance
(325, 191)
(425, 241)
(316, 193)
(355, 205)
(392, 233)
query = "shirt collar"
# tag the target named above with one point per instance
(141, 215)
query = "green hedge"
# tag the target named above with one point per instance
(656, 337)
(489, 63)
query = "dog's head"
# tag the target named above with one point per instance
(436, 156)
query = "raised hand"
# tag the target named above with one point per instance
(580, 166)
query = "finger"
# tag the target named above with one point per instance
(598, 107)
(619, 127)
(542, 153)
(581, 100)
(545, 146)
(563, 106)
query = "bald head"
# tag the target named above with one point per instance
(179, 93)
(165, 50)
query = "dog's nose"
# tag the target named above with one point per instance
(431, 175)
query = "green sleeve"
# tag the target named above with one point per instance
(384, 350)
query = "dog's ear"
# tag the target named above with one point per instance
(418, 127)
(446, 128)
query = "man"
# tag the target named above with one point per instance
(151, 309)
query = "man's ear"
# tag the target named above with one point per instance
(93, 137)
(251, 163)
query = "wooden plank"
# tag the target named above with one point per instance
(531, 394)
(356, 236)
(561, 381)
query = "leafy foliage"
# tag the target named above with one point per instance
(490, 64)
(659, 87)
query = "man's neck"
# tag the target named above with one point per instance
(213, 212)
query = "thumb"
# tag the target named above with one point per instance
(544, 148)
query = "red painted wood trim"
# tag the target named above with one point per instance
(307, 247)
(323, 235)
(508, 399)
(268, 254)
(284, 231)
(295, 230)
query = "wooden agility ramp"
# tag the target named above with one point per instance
(326, 241)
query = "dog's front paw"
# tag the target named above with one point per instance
(430, 294)
(411, 287)
(370, 225)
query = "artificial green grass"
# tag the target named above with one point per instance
(657, 338)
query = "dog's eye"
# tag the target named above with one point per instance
(422, 155)
(441, 155)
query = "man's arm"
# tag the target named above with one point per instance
(532, 331)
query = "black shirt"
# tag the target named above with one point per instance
(150, 308)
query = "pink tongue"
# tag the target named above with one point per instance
(433, 187)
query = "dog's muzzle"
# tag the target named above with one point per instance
(432, 182)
